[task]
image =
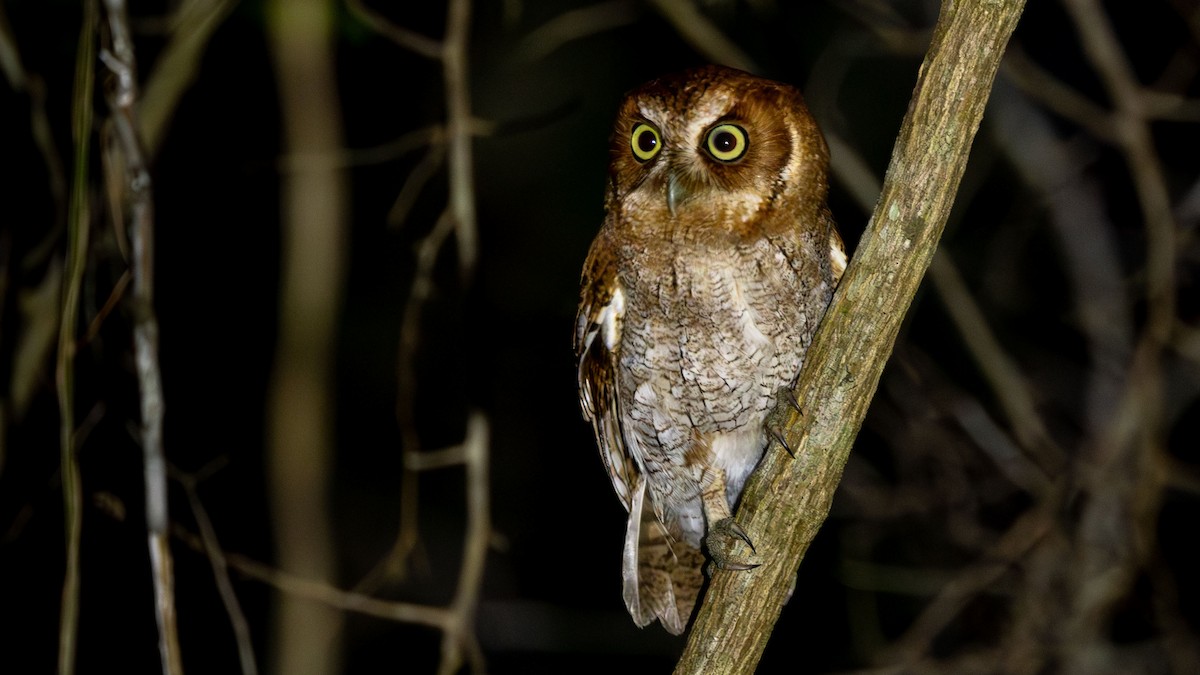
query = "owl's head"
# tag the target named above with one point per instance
(715, 145)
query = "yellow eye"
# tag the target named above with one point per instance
(645, 142)
(727, 142)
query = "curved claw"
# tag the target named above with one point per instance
(782, 441)
(736, 566)
(737, 531)
(791, 398)
(724, 552)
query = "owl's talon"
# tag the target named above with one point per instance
(782, 441)
(791, 399)
(737, 531)
(723, 546)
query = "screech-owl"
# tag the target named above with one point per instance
(717, 257)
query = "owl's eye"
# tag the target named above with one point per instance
(727, 142)
(645, 142)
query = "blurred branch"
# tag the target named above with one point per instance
(787, 498)
(1054, 168)
(406, 387)
(458, 126)
(320, 591)
(31, 84)
(434, 157)
(1003, 375)
(1021, 537)
(403, 37)
(220, 567)
(433, 137)
(301, 401)
(137, 190)
(702, 34)
(1056, 95)
(454, 621)
(1132, 136)
(78, 220)
(452, 52)
(459, 218)
(10, 59)
(458, 635)
(193, 25)
(573, 25)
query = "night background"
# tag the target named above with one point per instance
(1024, 494)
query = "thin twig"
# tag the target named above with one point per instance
(458, 127)
(122, 99)
(573, 25)
(77, 246)
(220, 568)
(408, 39)
(1022, 536)
(1056, 95)
(322, 592)
(1054, 168)
(410, 331)
(308, 589)
(459, 635)
(193, 25)
(702, 34)
(417, 179)
(21, 80)
(1003, 376)
(10, 58)
(1133, 136)
(114, 298)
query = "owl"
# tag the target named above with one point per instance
(700, 295)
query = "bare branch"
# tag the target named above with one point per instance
(138, 187)
(216, 558)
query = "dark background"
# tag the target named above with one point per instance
(921, 502)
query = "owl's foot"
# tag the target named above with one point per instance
(777, 419)
(727, 543)
(788, 395)
(779, 438)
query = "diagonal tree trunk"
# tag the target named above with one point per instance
(787, 499)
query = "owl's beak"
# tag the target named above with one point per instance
(677, 192)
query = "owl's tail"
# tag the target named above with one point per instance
(662, 574)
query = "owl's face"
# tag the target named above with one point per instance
(713, 145)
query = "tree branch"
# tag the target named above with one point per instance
(787, 499)
(64, 371)
(300, 456)
(137, 190)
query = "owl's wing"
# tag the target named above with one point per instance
(661, 575)
(597, 341)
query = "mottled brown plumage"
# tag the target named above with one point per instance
(700, 295)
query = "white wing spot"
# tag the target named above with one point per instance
(610, 318)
